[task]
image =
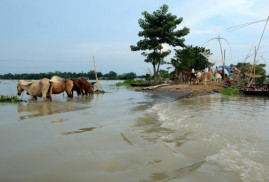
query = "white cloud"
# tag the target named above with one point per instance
(165, 47)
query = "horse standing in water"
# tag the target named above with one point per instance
(43, 88)
(60, 85)
(82, 86)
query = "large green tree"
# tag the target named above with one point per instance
(190, 57)
(159, 28)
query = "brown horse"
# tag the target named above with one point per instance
(187, 76)
(43, 88)
(82, 86)
(206, 77)
(60, 85)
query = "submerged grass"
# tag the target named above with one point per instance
(10, 99)
(127, 83)
(99, 92)
(232, 91)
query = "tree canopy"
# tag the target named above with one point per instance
(190, 57)
(159, 28)
(90, 75)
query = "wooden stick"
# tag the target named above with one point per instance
(97, 82)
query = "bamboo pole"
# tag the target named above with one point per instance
(97, 81)
(222, 59)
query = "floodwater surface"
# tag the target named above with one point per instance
(130, 136)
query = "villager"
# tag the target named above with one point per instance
(261, 86)
(183, 77)
(192, 70)
(206, 70)
(246, 87)
(228, 82)
(216, 70)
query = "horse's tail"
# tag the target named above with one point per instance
(50, 89)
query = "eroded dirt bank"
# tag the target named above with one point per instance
(179, 90)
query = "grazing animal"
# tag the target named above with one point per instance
(175, 76)
(60, 85)
(188, 76)
(198, 75)
(218, 77)
(82, 86)
(206, 77)
(43, 88)
(88, 86)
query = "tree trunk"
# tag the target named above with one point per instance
(155, 72)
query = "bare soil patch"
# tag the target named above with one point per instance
(179, 90)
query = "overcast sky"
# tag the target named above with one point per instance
(64, 35)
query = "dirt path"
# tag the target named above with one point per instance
(179, 90)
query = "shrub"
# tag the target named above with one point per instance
(232, 91)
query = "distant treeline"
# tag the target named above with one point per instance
(90, 75)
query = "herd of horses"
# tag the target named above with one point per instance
(45, 87)
(196, 77)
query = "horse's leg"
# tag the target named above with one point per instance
(81, 91)
(44, 95)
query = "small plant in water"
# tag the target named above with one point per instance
(11, 99)
(232, 91)
(127, 83)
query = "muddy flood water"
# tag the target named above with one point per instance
(132, 136)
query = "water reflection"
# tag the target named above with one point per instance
(36, 109)
(126, 139)
(82, 130)
(174, 174)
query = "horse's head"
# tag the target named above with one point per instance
(22, 85)
(91, 88)
(19, 88)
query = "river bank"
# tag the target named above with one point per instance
(179, 90)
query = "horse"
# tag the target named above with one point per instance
(175, 76)
(187, 76)
(82, 86)
(60, 85)
(218, 77)
(43, 88)
(206, 77)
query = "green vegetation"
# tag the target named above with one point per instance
(11, 99)
(127, 83)
(232, 91)
(90, 75)
(159, 29)
(190, 57)
(99, 92)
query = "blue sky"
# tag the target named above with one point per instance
(64, 35)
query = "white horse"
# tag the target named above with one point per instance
(36, 89)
